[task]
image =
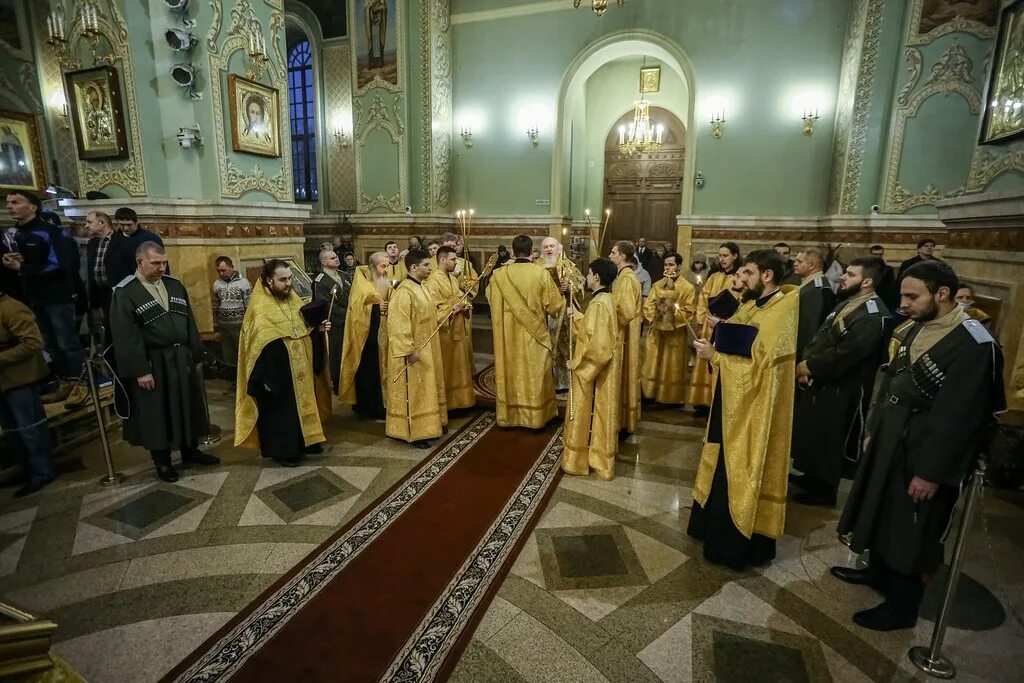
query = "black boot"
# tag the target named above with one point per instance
(195, 456)
(885, 617)
(858, 577)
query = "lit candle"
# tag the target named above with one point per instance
(622, 135)
(470, 224)
(60, 25)
(51, 28)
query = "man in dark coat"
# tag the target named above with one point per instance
(929, 421)
(816, 295)
(126, 240)
(925, 252)
(888, 288)
(157, 347)
(834, 381)
(331, 287)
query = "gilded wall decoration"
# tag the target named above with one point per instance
(341, 161)
(915, 65)
(930, 19)
(988, 163)
(62, 147)
(128, 174)
(94, 105)
(1004, 108)
(377, 44)
(951, 73)
(234, 180)
(860, 62)
(379, 117)
(436, 113)
(21, 155)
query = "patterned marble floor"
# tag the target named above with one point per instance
(609, 587)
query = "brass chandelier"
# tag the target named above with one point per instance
(641, 137)
(599, 5)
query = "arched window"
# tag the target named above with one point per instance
(303, 118)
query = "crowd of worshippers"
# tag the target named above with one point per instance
(808, 370)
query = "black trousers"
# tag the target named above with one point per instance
(903, 591)
(163, 457)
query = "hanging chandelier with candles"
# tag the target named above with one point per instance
(599, 5)
(641, 137)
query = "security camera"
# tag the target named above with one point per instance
(408, 211)
(178, 40)
(190, 137)
(875, 208)
(177, 5)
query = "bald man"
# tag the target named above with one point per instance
(330, 286)
(816, 296)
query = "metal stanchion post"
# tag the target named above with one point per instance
(929, 659)
(111, 477)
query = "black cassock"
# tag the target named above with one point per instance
(929, 419)
(816, 300)
(148, 339)
(843, 358)
(270, 385)
(369, 394)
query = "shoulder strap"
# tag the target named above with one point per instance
(125, 282)
(978, 331)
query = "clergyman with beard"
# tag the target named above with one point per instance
(550, 249)
(276, 406)
(834, 381)
(364, 352)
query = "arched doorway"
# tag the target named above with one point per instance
(644, 191)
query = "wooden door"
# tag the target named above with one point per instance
(644, 191)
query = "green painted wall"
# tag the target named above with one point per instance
(19, 86)
(757, 54)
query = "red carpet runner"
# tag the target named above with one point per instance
(392, 595)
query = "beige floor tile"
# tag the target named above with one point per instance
(538, 654)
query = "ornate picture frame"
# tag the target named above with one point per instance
(931, 19)
(1002, 118)
(97, 113)
(377, 44)
(650, 79)
(255, 128)
(21, 153)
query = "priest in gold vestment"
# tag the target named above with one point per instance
(279, 401)
(628, 295)
(415, 382)
(699, 393)
(592, 413)
(522, 295)
(456, 352)
(363, 357)
(668, 310)
(739, 493)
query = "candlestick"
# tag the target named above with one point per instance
(604, 229)
(469, 225)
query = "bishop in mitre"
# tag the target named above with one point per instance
(699, 392)
(739, 494)
(454, 335)
(280, 401)
(628, 295)
(592, 413)
(415, 385)
(522, 296)
(669, 309)
(364, 350)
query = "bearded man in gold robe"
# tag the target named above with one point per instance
(363, 356)
(565, 273)
(279, 402)
(739, 494)
(521, 296)
(628, 295)
(668, 310)
(699, 393)
(415, 382)
(592, 415)
(454, 335)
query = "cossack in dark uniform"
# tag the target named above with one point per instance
(930, 418)
(816, 300)
(323, 286)
(843, 358)
(164, 342)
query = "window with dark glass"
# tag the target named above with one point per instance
(302, 111)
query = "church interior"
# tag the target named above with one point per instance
(262, 129)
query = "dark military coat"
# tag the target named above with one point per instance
(929, 419)
(148, 339)
(816, 300)
(843, 358)
(322, 286)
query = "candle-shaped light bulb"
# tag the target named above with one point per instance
(51, 29)
(607, 212)
(586, 212)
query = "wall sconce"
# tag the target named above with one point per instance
(467, 135)
(698, 180)
(339, 131)
(60, 105)
(717, 123)
(809, 118)
(533, 132)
